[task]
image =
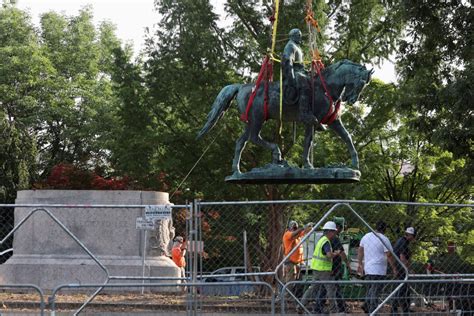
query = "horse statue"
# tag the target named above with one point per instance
(344, 81)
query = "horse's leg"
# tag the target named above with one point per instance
(308, 142)
(340, 130)
(255, 138)
(239, 147)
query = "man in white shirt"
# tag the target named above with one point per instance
(375, 250)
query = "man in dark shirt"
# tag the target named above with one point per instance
(337, 267)
(402, 250)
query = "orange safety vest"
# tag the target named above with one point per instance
(178, 258)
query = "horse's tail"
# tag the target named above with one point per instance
(221, 104)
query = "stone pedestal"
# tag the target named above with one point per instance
(43, 254)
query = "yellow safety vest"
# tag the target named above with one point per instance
(320, 262)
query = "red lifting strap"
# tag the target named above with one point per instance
(333, 111)
(266, 73)
(266, 100)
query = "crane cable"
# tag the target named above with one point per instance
(317, 66)
(275, 26)
(313, 30)
(266, 72)
(272, 56)
(316, 63)
(196, 163)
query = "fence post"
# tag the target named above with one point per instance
(144, 259)
(245, 251)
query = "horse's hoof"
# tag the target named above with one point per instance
(308, 166)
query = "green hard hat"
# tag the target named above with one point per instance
(339, 221)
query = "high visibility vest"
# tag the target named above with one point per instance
(320, 262)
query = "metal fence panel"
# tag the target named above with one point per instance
(235, 258)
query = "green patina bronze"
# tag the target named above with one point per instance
(305, 102)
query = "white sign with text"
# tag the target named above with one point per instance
(144, 224)
(158, 212)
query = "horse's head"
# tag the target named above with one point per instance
(356, 79)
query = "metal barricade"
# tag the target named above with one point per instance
(235, 249)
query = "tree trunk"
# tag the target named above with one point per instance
(274, 233)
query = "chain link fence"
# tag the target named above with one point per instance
(6, 225)
(246, 237)
(438, 296)
(236, 262)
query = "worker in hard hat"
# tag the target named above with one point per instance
(291, 238)
(321, 264)
(178, 254)
(337, 272)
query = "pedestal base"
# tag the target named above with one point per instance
(45, 255)
(47, 272)
(284, 174)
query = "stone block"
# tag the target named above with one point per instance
(45, 255)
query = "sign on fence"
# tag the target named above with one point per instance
(158, 212)
(144, 224)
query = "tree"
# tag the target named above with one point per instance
(17, 159)
(185, 69)
(72, 96)
(401, 164)
(135, 140)
(435, 66)
(361, 31)
(78, 98)
(21, 64)
(365, 32)
(55, 90)
(21, 71)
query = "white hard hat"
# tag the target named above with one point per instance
(410, 230)
(330, 226)
(291, 224)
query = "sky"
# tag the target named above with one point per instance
(131, 17)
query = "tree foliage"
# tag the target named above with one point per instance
(21, 68)
(72, 95)
(436, 68)
(55, 93)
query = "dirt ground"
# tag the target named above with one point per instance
(133, 302)
(128, 302)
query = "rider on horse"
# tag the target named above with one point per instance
(296, 82)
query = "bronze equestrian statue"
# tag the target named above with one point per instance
(344, 81)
